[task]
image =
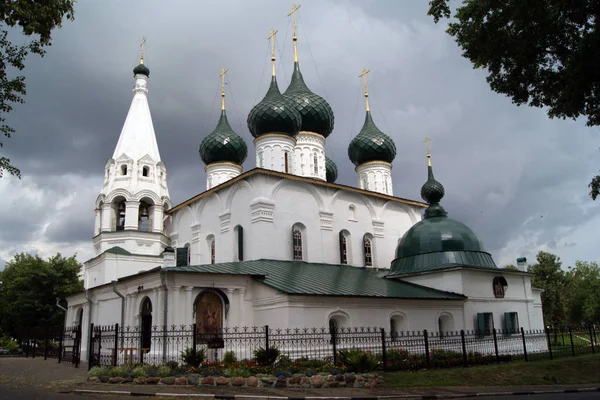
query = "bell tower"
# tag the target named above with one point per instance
(134, 196)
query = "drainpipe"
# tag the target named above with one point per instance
(114, 288)
(163, 279)
(89, 303)
(64, 309)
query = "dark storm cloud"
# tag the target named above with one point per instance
(509, 172)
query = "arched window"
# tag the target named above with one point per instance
(286, 162)
(120, 213)
(210, 308)
(344, 237)
(212, 252)
(397, 325)
(365, 182)
(368, 251)
(316, 163)
(145, 171)
(352, 212)
(385, 185)
(144, 217)
(445, 323)
(124, 169)
(297, 242)
(239, 231)
(337, 321)
(189, 254)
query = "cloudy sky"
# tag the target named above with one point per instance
(517, 178)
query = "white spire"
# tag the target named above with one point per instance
(137, 136)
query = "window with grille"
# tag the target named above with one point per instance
(297, 242)
(343, 249)
(212, 251)
(286, 162)
(368, 252)
(316, 162)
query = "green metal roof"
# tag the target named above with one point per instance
(223, 144)
(331, 171)
(118, 250)
(274, 114)
(317, 115)
(141, 69)
(371, 144)
(303, 278)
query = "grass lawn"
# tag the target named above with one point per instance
(575, 370)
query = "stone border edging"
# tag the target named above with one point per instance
(389, 397)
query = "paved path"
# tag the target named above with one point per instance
(34, 377)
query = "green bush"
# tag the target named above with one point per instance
(357, 360)
(163, 371)
(138, 372)
(9, 344)
(98, 371)
(172, 364)
(121, 371)
(229, 357)
(283, 362)
(193, 358)
(266, 356)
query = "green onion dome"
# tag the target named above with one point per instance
(438, 242)
(371, 144)
(274, 114)
(317, 115)
(331, 172)
(141, 69)
(223, 145)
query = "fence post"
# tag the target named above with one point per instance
(383, 350)
(194, 338)
(267, 337)
(426, 347)
(115, 353)
(496, 345)
(77, 348)
(34, 347)
(27, 347)
(464, 347)
(46, 344)
(549, 343)
(591, 339)
(524, 343)
(572, 345)
(333, 341)
(91, 347)
(60, 344)
(594, 334)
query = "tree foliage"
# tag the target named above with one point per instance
(30, 287)
(584, 293)
(549, 276)
(544, 54)
(35, 20)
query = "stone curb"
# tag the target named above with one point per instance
(390, 397)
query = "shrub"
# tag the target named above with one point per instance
(266, 356)
(163, 371)
(283, 362)
(358, 360)
(121, 371)
(172, 364)
(193, 358)
(397, 355)
(138, 372)
(229, 357)
(9, 345)
(98, 371)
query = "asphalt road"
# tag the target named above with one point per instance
(27, 393)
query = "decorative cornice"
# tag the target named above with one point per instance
(370, 163)
(223, 164)
(326, 218)
(378, 228)
(262, 210)
(274, 135)
(225, 219)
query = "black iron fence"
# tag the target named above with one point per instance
(62, 344)
(115, 345)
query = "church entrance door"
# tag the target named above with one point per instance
(146, 325)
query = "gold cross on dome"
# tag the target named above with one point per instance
(272, 39)
(294, 37)
(222, 75)
(363, 75)
(142, 45)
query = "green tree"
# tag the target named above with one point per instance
(544, 54)
(584, 293)
(30, 287)
(549, 276)
(34, 20)
(510, 267)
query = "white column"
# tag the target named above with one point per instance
(107, 211)
(175, 308)
(241, 294)
(132, 209)
(98, 221)
(187, 319)
(134, 315)
(375, 176)
(307, 145)
(273, 149)
(160, 315)
(218, 173)
(155, 307)
(157, 218)
(230, 322)
(127, 310)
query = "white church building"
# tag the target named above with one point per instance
(282, 244)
